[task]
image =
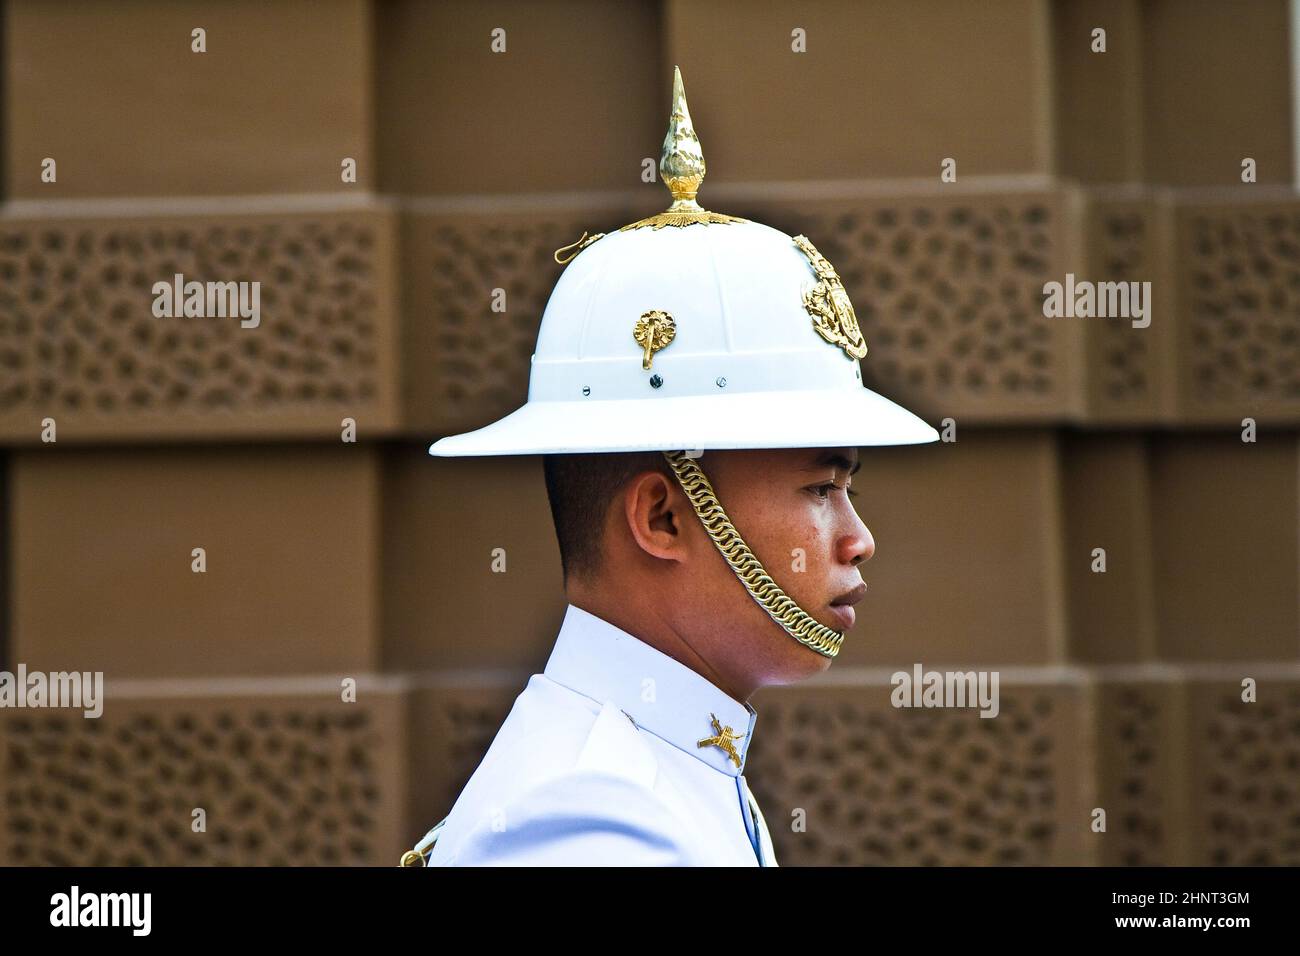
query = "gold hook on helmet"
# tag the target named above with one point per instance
(577, 247)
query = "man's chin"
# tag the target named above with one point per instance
(817, 663)
(810, 661)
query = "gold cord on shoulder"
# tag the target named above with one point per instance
(420, 854)
(782, 608)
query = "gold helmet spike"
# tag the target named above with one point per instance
(681, 164)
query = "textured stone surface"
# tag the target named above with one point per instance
(283, 780)
(1240, 289)
(1246, 771)
(79, 341)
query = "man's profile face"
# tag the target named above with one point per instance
(794, 510)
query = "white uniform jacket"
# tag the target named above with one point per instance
(599, 763)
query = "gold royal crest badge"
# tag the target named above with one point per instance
(828, 304)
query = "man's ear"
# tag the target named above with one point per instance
(653, 509)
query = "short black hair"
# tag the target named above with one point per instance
(580, 488)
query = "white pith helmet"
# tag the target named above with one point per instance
(693, 330)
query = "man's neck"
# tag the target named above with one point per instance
(657, 631)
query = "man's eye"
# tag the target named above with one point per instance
(824, 491)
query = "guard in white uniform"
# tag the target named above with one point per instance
(590, 768)
(687, 331)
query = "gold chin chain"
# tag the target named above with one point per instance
(797, 622)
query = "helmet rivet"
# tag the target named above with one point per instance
(655, 381)
(586, 390)
(722, 382)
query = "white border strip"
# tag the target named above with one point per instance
(125, 207)
(1295, 92)
(839, 676)
(646, 199)
(288, 686)
(328, 685)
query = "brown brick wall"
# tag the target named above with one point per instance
(330, 560)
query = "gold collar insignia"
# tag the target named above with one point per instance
(724, 738)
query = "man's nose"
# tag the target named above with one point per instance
(857, 545)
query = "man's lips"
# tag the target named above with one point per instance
(851, 597)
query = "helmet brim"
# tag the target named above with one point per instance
(815, 418)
